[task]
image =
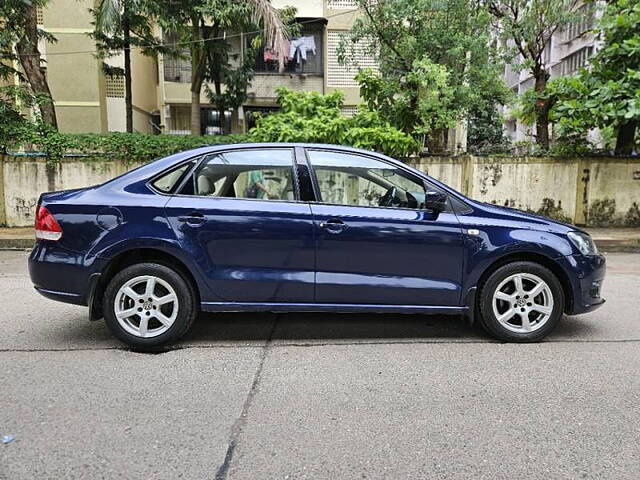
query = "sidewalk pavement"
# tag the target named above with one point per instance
(607, 239)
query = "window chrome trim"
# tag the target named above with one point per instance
(424, 178)
(203, 158)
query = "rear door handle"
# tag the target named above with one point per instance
(334, 225)
(194, 219)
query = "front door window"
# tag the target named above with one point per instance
(355, 180)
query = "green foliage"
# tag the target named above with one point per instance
(130, 146)
(202, 25)
(313, 117)
(485, 133)
(607, 95)
(418, 103)
(436, 61)
(13, 14)
(525, 28)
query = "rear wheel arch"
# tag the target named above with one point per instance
(134, 256)
(538, 258)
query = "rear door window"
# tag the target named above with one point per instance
(264, 174)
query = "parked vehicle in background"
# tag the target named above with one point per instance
(303, 227)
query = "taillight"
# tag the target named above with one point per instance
(47, 228)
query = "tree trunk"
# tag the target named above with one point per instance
(625, 140)
(128, 97)
(27, 48)
(220, 107)
(198, 65)
(195, 113)
(542, 110)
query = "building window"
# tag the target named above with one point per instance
(40, 15)
(583, 22)
(176, 69)
(343, 75)
(304, 54)
(576, 61)
(179, 121)
(210, 123)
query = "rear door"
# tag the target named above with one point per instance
(239, 215)
(376, 248)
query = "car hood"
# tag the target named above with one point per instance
(532, 220)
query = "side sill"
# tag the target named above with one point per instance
(328, 307)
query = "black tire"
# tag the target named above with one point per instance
(186, 304)
(488, 318)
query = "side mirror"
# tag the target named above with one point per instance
(435, 201)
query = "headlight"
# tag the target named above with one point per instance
(584, 243)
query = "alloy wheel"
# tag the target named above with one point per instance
(523, 303)
(146, 306)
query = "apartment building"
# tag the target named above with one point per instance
(323, 21)
(568, 51)
(87, 100)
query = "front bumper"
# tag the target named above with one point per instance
(586, 274)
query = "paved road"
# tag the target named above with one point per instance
(317, 396)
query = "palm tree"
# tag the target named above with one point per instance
(120, 25)
(206, 26)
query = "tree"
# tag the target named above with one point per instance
(19, 35)
(607, 95)
(314, 117)
(120, 25)
(526, 26)
(231, 73)
(435, 61)
(202, 25)
(603, 96)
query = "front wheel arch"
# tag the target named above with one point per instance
(540, 259)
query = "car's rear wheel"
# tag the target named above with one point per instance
(521, 302)
(149, 305)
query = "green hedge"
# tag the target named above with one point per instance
(128, 146)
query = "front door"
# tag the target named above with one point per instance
(238, 213)
(376, 243)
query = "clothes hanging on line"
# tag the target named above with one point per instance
(299, 47)
(271, 55)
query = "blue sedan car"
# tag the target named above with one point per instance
(303, 227)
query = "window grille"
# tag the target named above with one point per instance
(583, 23)
(577, 60)
(115, 86)
(343, 75)
(40, 15)
(342, 4)
(349, 111)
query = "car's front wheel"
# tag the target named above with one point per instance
(149, 305)
(521, 302)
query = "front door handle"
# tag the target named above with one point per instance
(193, 219)
(333, 225)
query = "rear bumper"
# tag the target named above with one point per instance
(66, 297)
(62, 275)
(586, 274)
